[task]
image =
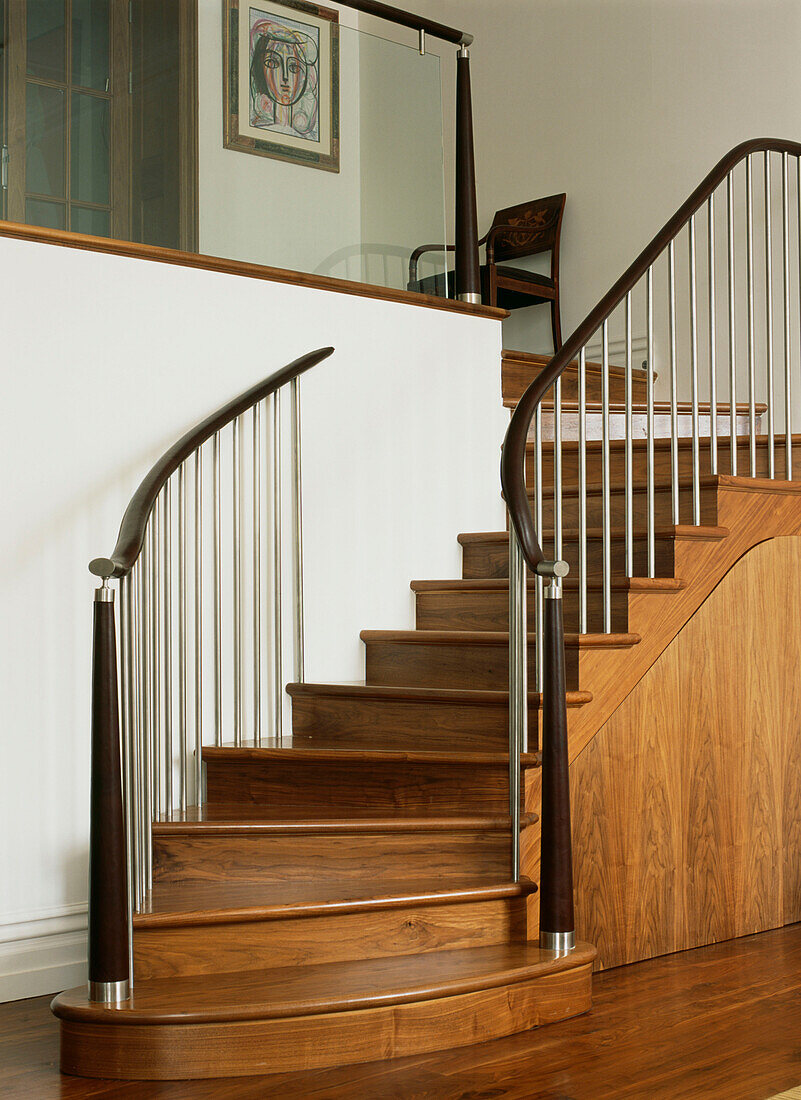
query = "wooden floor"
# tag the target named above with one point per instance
(720, 1022)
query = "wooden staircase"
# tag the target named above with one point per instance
(345, 895)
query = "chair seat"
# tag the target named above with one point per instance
(507, 299)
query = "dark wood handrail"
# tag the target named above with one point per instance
(409, 19)
(514, 444)
(134, 522)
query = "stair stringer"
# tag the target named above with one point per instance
(752, 511)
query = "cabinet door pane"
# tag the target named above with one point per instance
(94, 222)
(45, 140)
(50, 214)
(90, 149)
(47, 39)
(90, 43)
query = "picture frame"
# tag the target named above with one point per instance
(281, 81)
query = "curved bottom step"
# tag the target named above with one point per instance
(275, 1021)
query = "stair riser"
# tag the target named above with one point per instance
(417, 725)
(336, 937)
(662, 463)
(331, 857)
(663, 508)
(484, 667)
(491, 559)
(518, 375)
(490, 610)
(342, 787)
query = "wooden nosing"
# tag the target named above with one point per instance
(255, 755)
(460, 696)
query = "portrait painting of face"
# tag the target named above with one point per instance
(281, 88)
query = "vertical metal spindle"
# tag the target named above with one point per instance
(236, 552)
(278, 626)
(216, 508)
(749, 282)
(582, 472)
(257, 573)
(126, 730)
(166, 536)
(606, 484)
(155, 628)
(182, 724)
(150, 697)
(629, 449)
(788, 413)
(198, 627)
(769, 314)
(713, 382)
(649, 310)
(297, 512)
(139, 762)
(694, 374)
(674, 418)
(538, 583)
(557, 470)
(732, 322)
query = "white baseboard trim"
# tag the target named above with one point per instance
(42, 952)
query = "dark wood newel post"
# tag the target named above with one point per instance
(108, 888)
(466, 275)
(557, 926)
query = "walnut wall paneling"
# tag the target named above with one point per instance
(687, 804)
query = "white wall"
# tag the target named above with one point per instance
(623, 104)
(107, 359)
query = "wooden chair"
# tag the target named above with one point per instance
(523, 230)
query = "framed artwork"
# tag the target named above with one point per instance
(281, 81)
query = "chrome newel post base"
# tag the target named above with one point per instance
(113, 993)
(561, 942)
(472, 298)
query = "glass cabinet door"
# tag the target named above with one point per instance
(67, 114)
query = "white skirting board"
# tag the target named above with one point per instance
(42, 952)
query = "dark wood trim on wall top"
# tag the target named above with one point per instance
(20, 231)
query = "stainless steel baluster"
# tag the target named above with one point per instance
(150, 699)
(297, 510)
(216, 507)
(749, 282)
(257, 573)
(732, 324)
(156, 699)
(139, 763)
(649, 309)
(674, 418)
(769, 314)
(278, 625)
(182, 686)
(236, 546)
(713, 382)
(538, 583)
(605, 483)
(629, 449)
(198, 627)
(788, 408)
(166, 534)
(582, 473)
(694, 374)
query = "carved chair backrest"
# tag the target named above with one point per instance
(541, 218)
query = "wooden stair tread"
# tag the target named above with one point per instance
(314, 750)
(213, 902)
(225, 818)
(664, 485)
(660, 442)
(679, 531)
(571, 582)
(432, 696)
(491, 638)
(283, 992)
(535, 359)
